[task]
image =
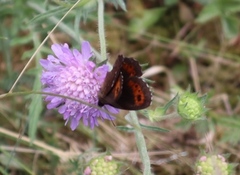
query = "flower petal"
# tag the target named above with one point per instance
(86, 50)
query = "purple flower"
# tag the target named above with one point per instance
(71, 73)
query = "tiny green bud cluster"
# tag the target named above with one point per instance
(190, 106)
(157, 114)
(212, 165)
(103, 165)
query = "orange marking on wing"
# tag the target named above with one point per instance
(129, 69)
(139, 96)
(117, 88)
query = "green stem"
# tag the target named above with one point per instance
(141, 144)
(101, 31)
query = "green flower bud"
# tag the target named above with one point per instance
(103, 165)
(190, 106)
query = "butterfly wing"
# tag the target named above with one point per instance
(135, 94)
(123, 88)
(130, 67)
(114, 94)
(112, 86)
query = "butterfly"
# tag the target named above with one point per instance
(123, 86)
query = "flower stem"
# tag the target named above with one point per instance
(140, 141)
(101, 31)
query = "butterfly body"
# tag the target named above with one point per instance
(124, 88)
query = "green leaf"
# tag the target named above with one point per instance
(230, 26)
(148, 19)
(21, 40)
(231, 126)
(170, 2)
(153, 128)
(230, 6)
(125, 128)
(36, 105)
(3, 170)
(14, 162)
(35, 110)
(48, 14)
(231, 136)
(218, 8)
(205, 2)
(209, 12)
(121, 3)
(27, 54)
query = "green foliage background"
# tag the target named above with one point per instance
(189, 43)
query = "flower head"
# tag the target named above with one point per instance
(190, 106)
(70, 73)
(213, 164)
(102, 165)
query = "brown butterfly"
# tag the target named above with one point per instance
(123, 86)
